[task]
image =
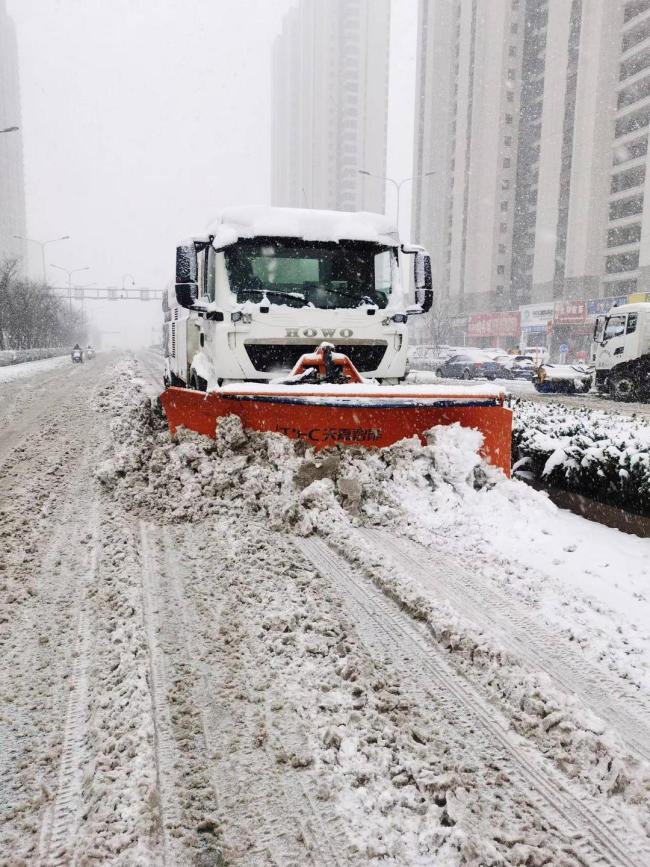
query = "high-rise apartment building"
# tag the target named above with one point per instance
(535, 116)
(12, 190)
(330, 105)
(467, 125)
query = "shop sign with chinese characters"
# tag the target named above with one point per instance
(570, 313)
(598, 306)
(535, 317)
(504, 324)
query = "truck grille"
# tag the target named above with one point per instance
(269, 356)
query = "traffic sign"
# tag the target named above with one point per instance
(564, 347)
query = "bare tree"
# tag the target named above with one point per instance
(31, 315)
(441, 320)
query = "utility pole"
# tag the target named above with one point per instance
(70, 272)
(43, 244)
(397, 184)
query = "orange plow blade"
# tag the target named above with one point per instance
(356, 414)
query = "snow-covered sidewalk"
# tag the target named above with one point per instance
(29, 369)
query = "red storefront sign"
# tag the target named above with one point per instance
(504, 324)
(570, 313)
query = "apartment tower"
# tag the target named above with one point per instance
(535, 116)
(12, 189)
(330, 105)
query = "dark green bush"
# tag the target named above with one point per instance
(602, 455)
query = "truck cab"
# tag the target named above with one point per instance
(621, 352)
(263, 286)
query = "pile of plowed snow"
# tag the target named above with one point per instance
(274, 479)
(441, 494)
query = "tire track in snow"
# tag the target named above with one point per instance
(253, 796)
(164, 747)
(594, 832)
(62, 819)
(539, 646)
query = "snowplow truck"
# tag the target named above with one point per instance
(621, 352)
(296, 321)
(265, 286)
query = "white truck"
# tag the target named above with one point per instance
(262, 286)
(621, 352)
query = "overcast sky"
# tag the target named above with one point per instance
(141, 118)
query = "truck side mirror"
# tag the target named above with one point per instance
(187, 287)
(423, 281)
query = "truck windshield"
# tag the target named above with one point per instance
(317, 274)
(615, 327)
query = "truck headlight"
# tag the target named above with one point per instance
(237, 316)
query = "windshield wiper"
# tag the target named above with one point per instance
(282, 294)
(364, 299)
(277, 292)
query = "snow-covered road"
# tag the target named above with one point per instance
(238, 653)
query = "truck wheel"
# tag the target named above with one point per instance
(622, 387)
(439, 373)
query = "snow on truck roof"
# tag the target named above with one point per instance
(633, 307)
(310, 225)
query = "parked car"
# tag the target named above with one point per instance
(523, 367)
(520, 366)
(471, 365)
(563, 379)
(427, 357)
(494, 352)
(539, 354)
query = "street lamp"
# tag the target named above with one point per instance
(124, 276)
(70, 272)
(43, 244)
(83, 302)
(397, 184)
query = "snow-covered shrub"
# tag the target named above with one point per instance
(598, 454)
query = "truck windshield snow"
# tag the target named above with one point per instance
(615, 327)
(315, 274)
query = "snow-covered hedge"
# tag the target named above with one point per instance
(594, 453)
(18, 356)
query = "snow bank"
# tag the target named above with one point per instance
(599, 454)
(18, 356)
(26, 369)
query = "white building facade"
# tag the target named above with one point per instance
(12, 187)
(535, 116)
(330, 105)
